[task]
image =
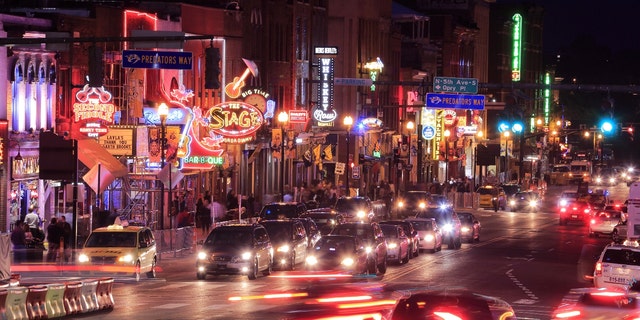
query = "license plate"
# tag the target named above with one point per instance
(618, 280)
(222, 266)
(575, 216)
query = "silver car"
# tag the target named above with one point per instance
(604, 221)
(430, 234)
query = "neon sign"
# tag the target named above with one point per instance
(93, 104)
(516, 60)
(324, 114)
(235, 121)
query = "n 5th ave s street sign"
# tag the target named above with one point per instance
(157, 59)
(457, 85)
(455, 101)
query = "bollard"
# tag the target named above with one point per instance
(104, 293)
(89, 298)
(72, 298)
(54, 302)
(16, 307)
(35, 303)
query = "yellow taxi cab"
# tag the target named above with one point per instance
(487, 194)
(120, 248)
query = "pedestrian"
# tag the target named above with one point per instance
(19, 241)
(66, 234)
(218, 212)
(204, 217)
(32, 220)
(54, 236)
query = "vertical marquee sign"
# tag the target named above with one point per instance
(324, 114)
(516, 59)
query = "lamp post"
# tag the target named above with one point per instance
(163, 112)
(518, 129)
(283, 117)
(506, 154)
(447, 134)
(348, 122)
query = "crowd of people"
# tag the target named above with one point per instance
(28, 237)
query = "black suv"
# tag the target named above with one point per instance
(373, 239)
(235, 249)
(449, 223)
(282, 210)
(289, 240)
(355, 208)
(411, 202)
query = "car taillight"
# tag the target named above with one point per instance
(593, 221)
(598, 269)
(567, 314)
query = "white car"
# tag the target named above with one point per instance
(604, 221)
(429, 233)
(618, 267)
(598, 303)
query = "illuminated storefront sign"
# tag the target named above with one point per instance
(375, 68)
(93, 129)
(324, 114)
(235, 121)
(449, 116)
(119, 142)
(371, 123)
(93, 104)
(298, 116)
(516, 60)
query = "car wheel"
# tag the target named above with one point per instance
(253, 274)
(416, 251)
(292, 261)
(371, 269)
(268, 270)
(478, 238)
(615, 236)
(136, 272)
(152, 273)
(382, 268)
(458, 243)
(562, 222)
(406, 258)
(435, 249)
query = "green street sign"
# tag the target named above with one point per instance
(457, 85)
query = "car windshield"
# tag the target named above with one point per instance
(440, 215)
(338, 244)
(272, 211)
(111, 239)
(415, 196)
(225, 237)
(511, 189)
(468, 218)
(390, 231)
(486, 190)
(350, 230)
(422, 225)
(278, 232)
(352, 204)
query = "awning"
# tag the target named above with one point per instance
(91, 153)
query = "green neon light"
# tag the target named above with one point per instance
(516, 60)
(547, 98)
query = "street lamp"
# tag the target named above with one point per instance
(348, 122)
(447, 133)
(283, 117)
(506, 155)
(163, 112)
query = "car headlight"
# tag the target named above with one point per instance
(284, 248)
(429, 238)
(612, 180)
(533, 203)
(563, 202)
(347, 262)
(125, 258)
(443, 206)
(512, 202)
(447, 227)
(465, 229)
(400, 204)
(392, 245)
(246, 255)
(368, 250)
(311, 260)
(422, 205)
(598, 179)
(83, 258)
(202, 255)
(361, 214)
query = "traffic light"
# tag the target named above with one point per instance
(606, 126)
(212, 68)
(96, 67)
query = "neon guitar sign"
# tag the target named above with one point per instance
(234, 89)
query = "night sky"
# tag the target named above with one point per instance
(614, 23)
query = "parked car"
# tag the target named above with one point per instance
(412, 234)
(618, 267)
(235, 249)
(289, 240)
(131, 247)
(282, 210)
(448, 222)
(342, 253)
(325, 218)
(397, 243)
(373, 240)
(429, 233)
(410, 202)
(604, 221)
(471, 227)
(355, 208)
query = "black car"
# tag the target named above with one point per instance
(355, 208)
(524, 201)
(335, 252)
(449, 223)
(313, 232)
(289, 240)
(411, 202)
(282, 210)
(470, 227)
(373, 239)
(325, 218)
(235, 249)
(410, 231)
